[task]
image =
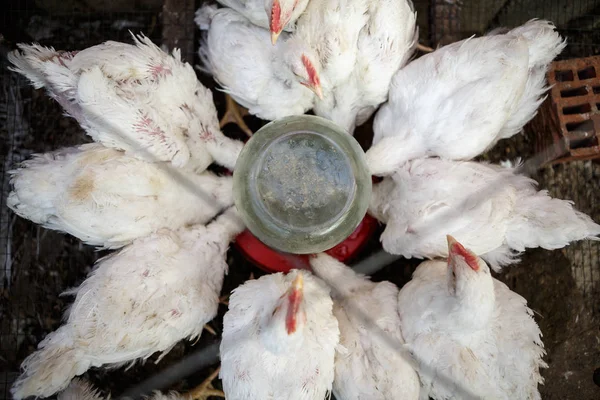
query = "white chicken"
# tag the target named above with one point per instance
(469, 332)
(279, 339)
(135, 98)
(342, 50)
(493, 211)
(106, 198)
(276, 15)
(271, 81)
(138, 301)
(255, 73)
(384, 44)
(365, 366)
(326, 42)
(461, 99)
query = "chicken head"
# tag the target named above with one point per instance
(470, 280)
(280, 14)
(300, 59)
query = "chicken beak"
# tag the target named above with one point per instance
(274, 37)
(318, 91)
(295, 296)
(451, 243)
(456, 249)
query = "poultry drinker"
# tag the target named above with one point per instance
(301, 185)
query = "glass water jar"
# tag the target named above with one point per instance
(301, 184)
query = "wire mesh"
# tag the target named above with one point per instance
(579, 23)
(38, 264)
(577, 20)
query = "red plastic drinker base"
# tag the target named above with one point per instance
(270, 260)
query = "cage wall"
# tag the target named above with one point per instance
(36, 265)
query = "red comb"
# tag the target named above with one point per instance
(459, 249)
(313, 76)
(295, 298)
(276, 17)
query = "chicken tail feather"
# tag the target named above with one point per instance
(29, 62)
(204, 16)
(35, 188)
(49, 69)
(527, 107)
(542, 221)
(50, 369)
(543, 40)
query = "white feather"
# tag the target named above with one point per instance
(384, 44)
(241, 58)
(490, 209)
(135, 98)
(106, 198)
(79, 389)
(470, 333)
(139, 301)
(368, 368)
(328, 35)
(259, 11)
(261, 361)
(435, 106)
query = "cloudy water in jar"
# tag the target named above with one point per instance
(305, 180)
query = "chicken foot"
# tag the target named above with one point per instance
(205, 389)
(235, 113)
(225, 299)
(423, 48)
(210, 330)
